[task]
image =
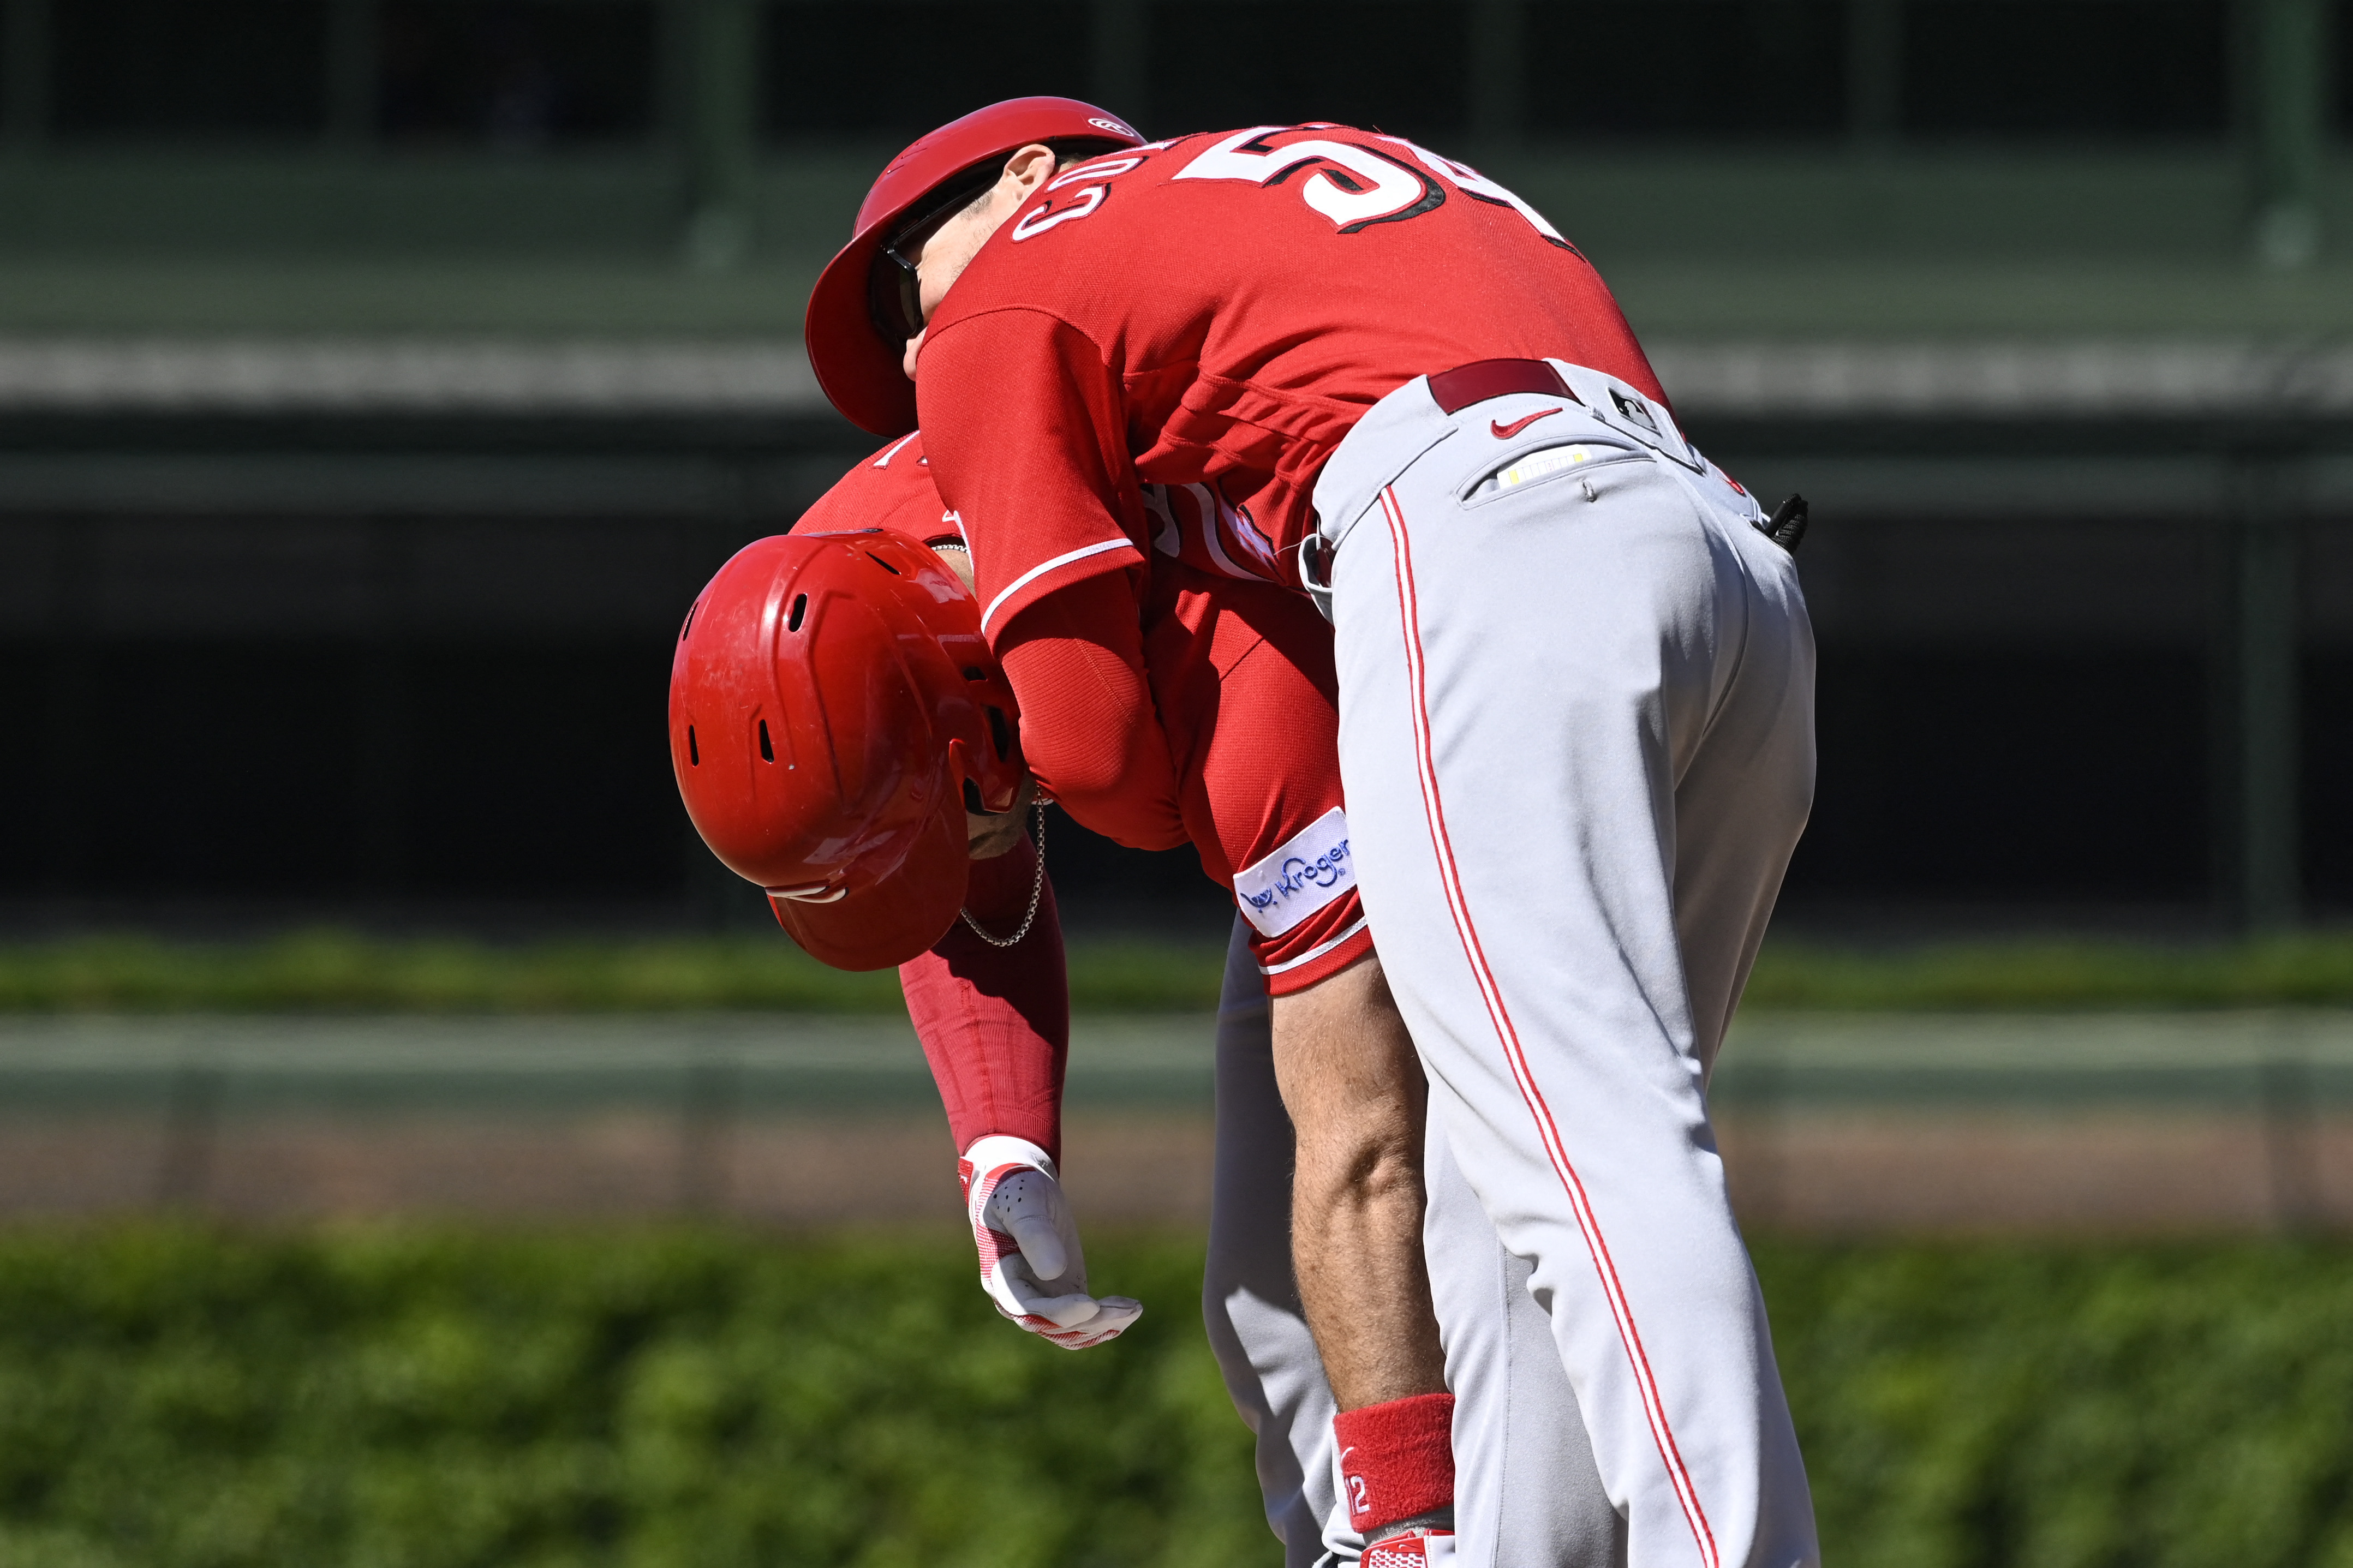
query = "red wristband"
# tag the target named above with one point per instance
(1397, 1458)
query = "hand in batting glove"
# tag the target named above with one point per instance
(1031, 1263)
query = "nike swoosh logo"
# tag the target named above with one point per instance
(1505, 432)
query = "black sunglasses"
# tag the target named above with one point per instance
(895, 289)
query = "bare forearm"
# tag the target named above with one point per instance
(1356, 1240)
(1349, 1078)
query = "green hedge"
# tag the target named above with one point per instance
(2054, 972)
(176, 1400)
(395, 1398)
(2008, 1407)
(339, 971)
(335, 971)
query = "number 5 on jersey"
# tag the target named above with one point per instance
(1364, 186)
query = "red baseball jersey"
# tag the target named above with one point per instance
(1240, 671)
(1217, 311)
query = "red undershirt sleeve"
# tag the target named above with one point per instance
(996, 1021)
(1090, 731)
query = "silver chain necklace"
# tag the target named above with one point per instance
(1037, 891)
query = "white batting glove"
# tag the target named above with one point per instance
(1031, 1263)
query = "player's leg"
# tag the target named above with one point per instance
(1525, 677)
(1250, 1299)
(1525, 1492)
(1742, 801)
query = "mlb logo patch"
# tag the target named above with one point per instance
(1634, 409)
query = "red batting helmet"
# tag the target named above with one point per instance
(858, 367)
(832, 710)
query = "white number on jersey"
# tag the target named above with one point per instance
(1038, 219)
(1367, 186)
(1046, 214)
(1480, 188)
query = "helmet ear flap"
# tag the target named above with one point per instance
(998, 766)
(992, 774)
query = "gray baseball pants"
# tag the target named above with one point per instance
(1526, 1493)
(1576, 741)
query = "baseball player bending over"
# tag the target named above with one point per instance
(1575, 673)
(785, 637)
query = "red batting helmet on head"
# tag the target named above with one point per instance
(858, 369)
(832, 706)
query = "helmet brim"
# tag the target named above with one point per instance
(900, 917)
(859, 373)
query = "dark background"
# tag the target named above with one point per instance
(221, 709)
(588, 70)
(461, 717)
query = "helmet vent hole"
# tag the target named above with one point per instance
(882, 564)
(973, 672)
(800, 608)
(972, 801)
(768, 752)
(1001, 732)
(693, 751)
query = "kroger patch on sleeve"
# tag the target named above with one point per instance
(1313, 868)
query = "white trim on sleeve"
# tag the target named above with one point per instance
(1314, 953)
(1045, 566)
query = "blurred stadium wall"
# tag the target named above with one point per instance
(379, 378)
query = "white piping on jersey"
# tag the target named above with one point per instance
(1313, 953)
(884, 460)
(1045, 566)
